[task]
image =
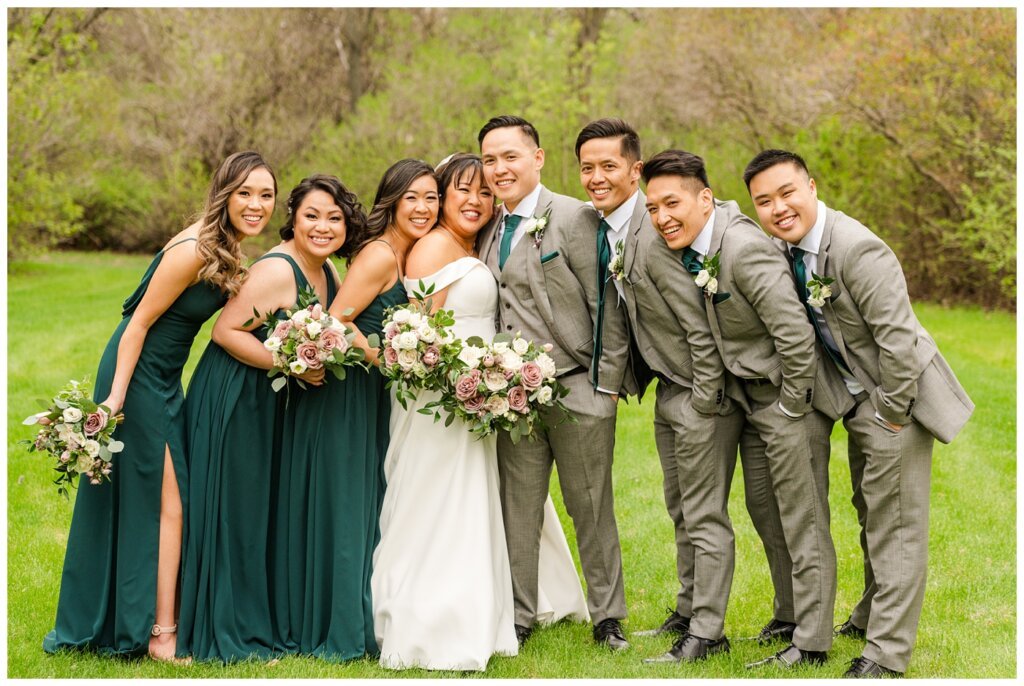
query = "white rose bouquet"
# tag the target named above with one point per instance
(78, 433)
(502, 385)
(418, 348)
(309, 338)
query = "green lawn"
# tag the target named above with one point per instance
(61, 310)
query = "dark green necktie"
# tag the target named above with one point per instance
(800, 272)
(511, 223)
(692, 261)
(604, 256)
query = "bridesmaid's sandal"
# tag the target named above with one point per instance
(156, 633)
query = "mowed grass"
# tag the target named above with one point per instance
(61, 310)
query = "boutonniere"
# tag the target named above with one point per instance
(707, 277)
(819, 289)
(535, 227)
(615, 267)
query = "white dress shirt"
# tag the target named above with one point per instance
(618, 227)
(702, 243)
(525, 209)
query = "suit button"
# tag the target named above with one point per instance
(810, 392)
(503, 285)
(508, 306)
(508, 327)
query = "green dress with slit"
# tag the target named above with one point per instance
(330, 497)
(107, 596)
(234, 421)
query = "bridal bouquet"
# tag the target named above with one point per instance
(78, 433)
(501, 385)
(418, 347)
(309, 338)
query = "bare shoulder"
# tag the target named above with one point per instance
(431, 253)
(376, 261)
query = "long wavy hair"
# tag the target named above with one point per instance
(355, 218)
(217, 243)
(460, 167)
(395, 182)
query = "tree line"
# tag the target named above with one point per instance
(907, 117)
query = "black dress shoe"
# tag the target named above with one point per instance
(791, 656)
(675, 624)
(523, 633)
(776, 630)
(863, 668)
(609, 633)
(690, 648)
(848, 628)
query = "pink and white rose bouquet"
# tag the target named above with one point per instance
(310, 338)
(502, 385)
(78, 433)
(417, 348)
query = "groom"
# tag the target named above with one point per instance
(543, 250)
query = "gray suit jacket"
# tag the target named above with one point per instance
(878, 335)
(667, 317)
(756, 329)
(549, 292)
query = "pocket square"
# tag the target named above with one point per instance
(548, 257)
(720, 297)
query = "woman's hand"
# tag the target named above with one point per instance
(114, 404)
(314, 377)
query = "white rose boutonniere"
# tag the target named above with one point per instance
(535, 227)
(819, 289)
(707, 277)
(616, 266)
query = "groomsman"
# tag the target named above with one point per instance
(748, 296)
(852, 290)
(543, 249)
(696, 426)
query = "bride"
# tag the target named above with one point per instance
(442, 588)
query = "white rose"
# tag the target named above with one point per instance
(407, 358)
(531, 225)
(406, 341)
(520, 346)
(313, 328)
(511, 361)
(495, 380)
(273, 343)
(547, 365)
(826, 291)
(400, 316)
(499, 348)
(72, 414)
(426, 332)
(419, 370)
(92, 448)
(297, 367)
(415, 319)
(702, 278)
(496, 405)
(64, 431)
(300, 317)
(544, 395)
(815, 302)
(712, 286)
(471, 355)
(83, 464)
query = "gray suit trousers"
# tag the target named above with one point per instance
(583, 455)
(698, 458)
(891, 475)
(785, 479)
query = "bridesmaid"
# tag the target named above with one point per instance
(118, 588)
(335, 446)
(235, 422)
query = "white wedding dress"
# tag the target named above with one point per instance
(442, 589)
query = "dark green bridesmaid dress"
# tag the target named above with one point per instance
(234, 421)
(107, 597)
(331, 494)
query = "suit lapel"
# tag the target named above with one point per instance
(487, 244)
(830, 316)
(717, 235)
(633, 234)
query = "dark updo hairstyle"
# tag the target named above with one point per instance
(462, 166)
(393, 185)
(355, 218)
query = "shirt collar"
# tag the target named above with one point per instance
(702, 243)
(619, 217)
(526, 206)
(812, 241)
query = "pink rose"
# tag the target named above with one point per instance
(45, 421)
(488, 360)
(390, 356)
(309, 354)
(431, 356)
(474, 404)
(517, 399)
(65, 456)
(547, 347)
(509, 374)
(331, 339)
(95, 422)
(391, 331)
(465, 387)
(531, 375)
(282, 328)
(316, 311)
